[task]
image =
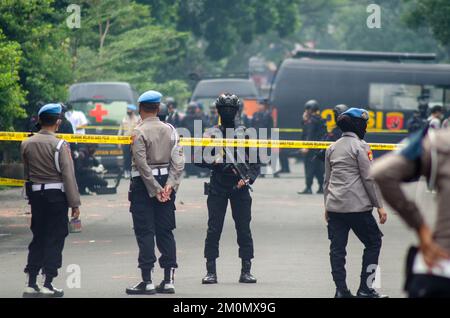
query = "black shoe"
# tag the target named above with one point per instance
(210, 278)
(143, 288)
(32, 291)
(306, 191)
(343, 293)
(369, 293)
(247, 278)
(320, 191)
(165, 288)
(51, 292)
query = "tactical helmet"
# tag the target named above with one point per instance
(339, 109)
(171, 101)
(228, 100)
(163, 112)
(312, 104)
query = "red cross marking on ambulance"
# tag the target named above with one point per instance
(98, 112)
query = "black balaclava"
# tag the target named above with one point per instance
(351, 124)
(227, 116)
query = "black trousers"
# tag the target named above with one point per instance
(428, 286)
(49, 225)
(153, 220)
(126, 149)
(314, 168)
(241, 205)
(284, 160)
(365, 227)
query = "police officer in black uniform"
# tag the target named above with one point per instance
(226, 185)
(314, 130)
(336, 132)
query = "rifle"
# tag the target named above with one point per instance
(239, 169)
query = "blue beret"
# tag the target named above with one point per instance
(51, 109)
(357, 113)
(132, 107)
(150, 97)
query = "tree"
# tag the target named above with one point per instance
(44, 70)
(11, 94)
(352, 32)
(433, 14)
(224, 24)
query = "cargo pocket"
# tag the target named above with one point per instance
(373, 232)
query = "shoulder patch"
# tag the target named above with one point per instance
(370, 154)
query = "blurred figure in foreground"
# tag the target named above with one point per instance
(428, 267)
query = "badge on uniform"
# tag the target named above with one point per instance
(74, 225)
(370, 155)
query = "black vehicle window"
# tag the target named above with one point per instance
(403, 97)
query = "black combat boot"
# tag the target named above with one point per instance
(48, 290)
(32, 289)
(320, 191)
(343, 293)
(369, 293)
(306, 191)
(167, 286)
(246, 276)
(145, 287)
(211, 275)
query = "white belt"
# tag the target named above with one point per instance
(155, 172)
(48, 186)
(441, 269)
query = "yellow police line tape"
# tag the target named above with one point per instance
(197, 142)
(11, 182)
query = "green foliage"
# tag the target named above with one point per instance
(224, 24)
(11, 94)
(352, 32)
(45, 66)
(434, 14)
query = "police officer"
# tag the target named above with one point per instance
(350, 196)
(174, 117)
(336, 132)
(65, 127)
(314, 130)
(225, 185)
(425, 155)
(163, 112)
(126, 127)
(157, 166)
(51, 189)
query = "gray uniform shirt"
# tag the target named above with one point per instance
(156, 145)
(38, 155)
(348, 186)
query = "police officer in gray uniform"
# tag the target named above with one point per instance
(157, 166)
(350, 196)
(51, 189)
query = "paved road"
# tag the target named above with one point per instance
(291, 245)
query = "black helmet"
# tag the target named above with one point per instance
(339, 109)
(163, 112)
(228, 100)
(312, 104)
(171, 101)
